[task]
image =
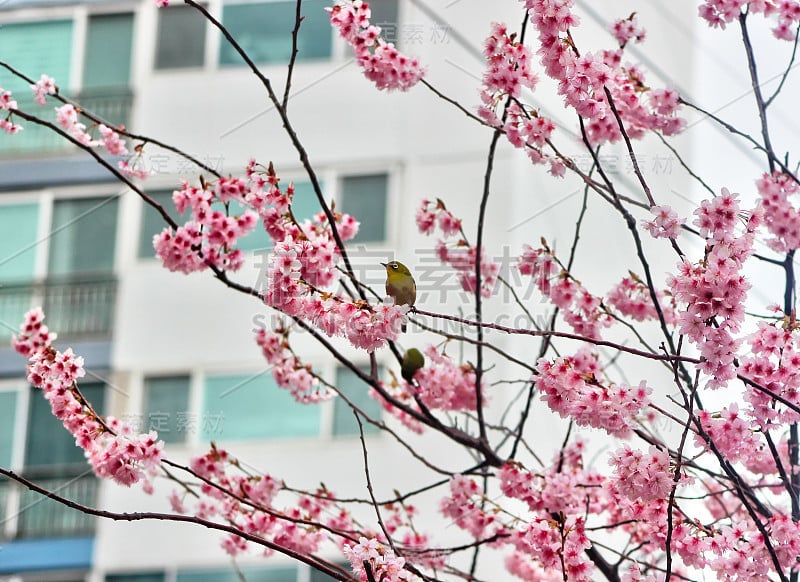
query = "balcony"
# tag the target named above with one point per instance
(76, 308)
(37, 517)
(112, 105)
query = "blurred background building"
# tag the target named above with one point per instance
(176, 353)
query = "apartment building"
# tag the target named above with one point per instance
(176, 353)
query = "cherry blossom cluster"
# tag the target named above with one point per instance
(380, 61)
(626, 30)
(379, 558)
(739, 552)
(210, 236)
(288, 371)
(565, 486)
(459, 255)
(583, 311)
(67, 118)
(252, 505)
(399, 522)
(665, 223)
(45, 86)
(773, 361)
(464, 506)
(639, 475)
(508, 71)
(714, 288)
(10, 105)
(295, 277)
(781, 217)
(719, 13)
(584, 78)
(558, 547)
(445, 385)
(631, 297)
(303, 264)
(112, 447)
(572, 387)
(734, 436)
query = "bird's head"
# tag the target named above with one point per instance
(396, 268)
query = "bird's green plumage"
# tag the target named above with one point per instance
(400, 284)
(413, 360)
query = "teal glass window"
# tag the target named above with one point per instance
(109, 40)
(107, 68)
(153, 223)
(136, 577)
(264, 31)
(241, 407)
(366, 198)
(47, 442)
(305, 204)
(181, 40)
(35, 48)
(287, 574)
(344, 423)
(166, 409)
(83, 236)
(19, 225)
(8, 409)
(317, 576)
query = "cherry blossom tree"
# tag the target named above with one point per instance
(720, 501)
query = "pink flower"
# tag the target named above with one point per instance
(6, 102)
(43, 87)
(642, 476)
(380, 61)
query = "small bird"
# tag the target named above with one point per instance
(413, 360)
(400, 285)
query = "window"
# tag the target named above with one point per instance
(344, 423)
(253, 407)
(305, 204)
(80, 292)
(181, 41)
(35, 48)
(166, 407)
(153, 223)
(83, 236)
(8, 408)
(53, 461)
(264, 31)
(47, 442)
(366, 198)
(136, 577)
(18, 230)
(107, 67)
(107, 63)
(384, 14)
(288, 574)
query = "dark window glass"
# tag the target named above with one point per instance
(181, 40)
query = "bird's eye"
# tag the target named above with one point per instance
(394, 266)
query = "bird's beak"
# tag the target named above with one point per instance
(385, 264)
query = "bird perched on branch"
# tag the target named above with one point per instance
(413, 360)
(400, 285)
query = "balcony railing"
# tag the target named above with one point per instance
(75, 308)
(37, 516)
(112, 105)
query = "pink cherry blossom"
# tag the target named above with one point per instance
(380, 61)
(44, 86)
(111, 446)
